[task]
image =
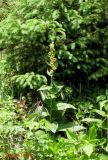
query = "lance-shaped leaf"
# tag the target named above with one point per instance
(64, 106)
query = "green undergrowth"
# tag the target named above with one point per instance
(51, 128)
(54, 80)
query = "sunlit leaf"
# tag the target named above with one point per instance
(88, 149)
(64, 106)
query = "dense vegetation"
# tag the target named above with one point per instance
(53, 79)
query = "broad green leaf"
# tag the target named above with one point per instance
(90, 120)
(45, 88)
(104, 104)
(42, 136)
(51, 126)
(92, 132)
(102, 113)
(71, 135)
(88, 149)
(100, 98)
(64, 106)
(70, 126)
(43, 95)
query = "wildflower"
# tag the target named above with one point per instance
(52, 62)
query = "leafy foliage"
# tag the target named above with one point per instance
(30, 79)
(53, 80)
(5, 7)
(78, 28)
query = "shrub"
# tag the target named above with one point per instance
(78, 28)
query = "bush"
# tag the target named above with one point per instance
(50, 119)
(78, 28)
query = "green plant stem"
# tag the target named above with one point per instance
(107, 130)
(51, 100)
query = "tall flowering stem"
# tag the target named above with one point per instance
(52, 64)
(52, 59)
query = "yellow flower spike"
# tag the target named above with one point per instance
(51, 55)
